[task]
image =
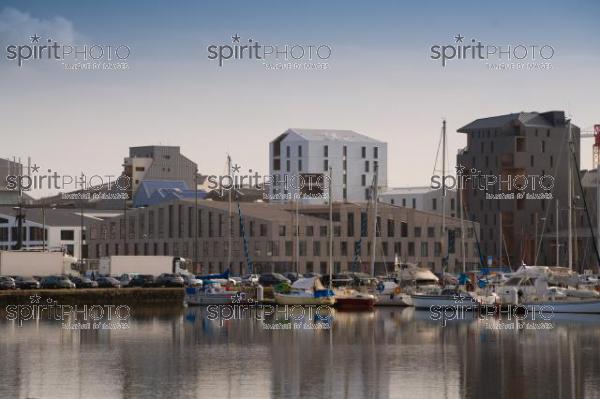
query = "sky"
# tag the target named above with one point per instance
(380, 79)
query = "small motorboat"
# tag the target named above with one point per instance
(351, 299)
(447, 298)
(210, 293)
(305, 291)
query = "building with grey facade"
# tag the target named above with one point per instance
(421, 198)
(270, 236)
(530, 144)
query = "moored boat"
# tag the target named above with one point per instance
(305, 291)
(350, 299)
(209, 294)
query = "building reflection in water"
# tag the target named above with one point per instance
(392, 352)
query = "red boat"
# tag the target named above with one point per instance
(349, 299)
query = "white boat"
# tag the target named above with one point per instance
(389, 293)
(210, 293)
(306, 291)
(448, 298)
(529, 287)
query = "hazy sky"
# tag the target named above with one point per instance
(380, 81)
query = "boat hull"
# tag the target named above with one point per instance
(364, 303)
(442, 301)
(285, 299)
(393, 300)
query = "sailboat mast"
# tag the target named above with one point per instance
(444, 247)
(230, 217)
(330, 231)
(298, 233)
(557, 245)
(570, 199)
(462, 231)
(373, 244)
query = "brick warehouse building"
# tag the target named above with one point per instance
(169, 229)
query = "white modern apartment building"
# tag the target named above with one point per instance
(421, 198)
(310, 153)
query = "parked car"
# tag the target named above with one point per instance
(169, 280)
(27, 283)
(142, 280)
(269, 279)
(250, 278)
(126, 278)
(84, 282)
(108, 282)
(7, 283)
(57, 282)
(292, 276)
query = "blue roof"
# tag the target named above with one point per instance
(153, 192)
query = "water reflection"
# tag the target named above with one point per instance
(392, 352)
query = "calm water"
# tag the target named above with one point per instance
(386, 354)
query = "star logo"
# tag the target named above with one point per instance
(238, 297)
(459, 298)
(236, 38)
(236, 168)
(459, 38)
(35, 168)
(35, 38)
(35, 298)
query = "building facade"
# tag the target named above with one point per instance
(507, 148)
(156, 162)
(271, 241)
(352, 157)
(421, 198)
(63, 227)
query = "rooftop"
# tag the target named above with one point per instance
(528, 119)
(331, 135)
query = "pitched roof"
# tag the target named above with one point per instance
(331, 135)
(529, 119)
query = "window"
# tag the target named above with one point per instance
(411, 249)
(431, 232)
(287, 165)
(325, 150)
(531, 160)
(403, 229)
(390, 228)
(404, 202)
(350, 225)
(424, 249)
(299, 165)
(375, 152)
(363, 180)
(310, 231)
(323, 231)
(287, 151)
(263, 230)
(299, 150)
(434, 203)
(414, 203)
(345, 151)
(364, 152)
(325, 165)
(67, 235)
(288, 248)
(282, 231)
(367, 166)
(364, 219)
(344, 248)
(316, 248)
(417, 232)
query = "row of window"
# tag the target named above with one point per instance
(35, 234)
(275, 248)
